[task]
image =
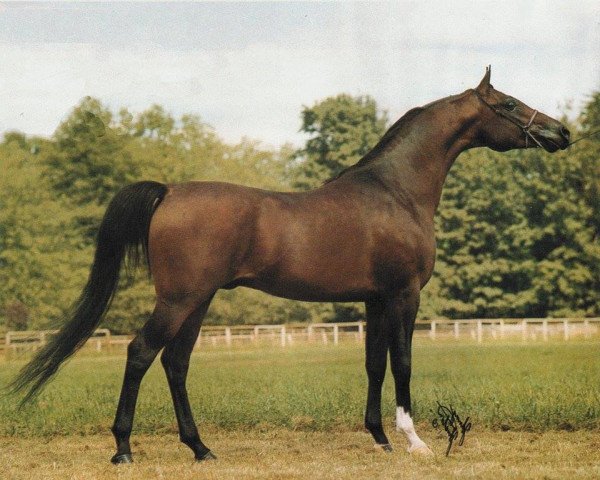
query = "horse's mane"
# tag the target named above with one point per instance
(396, 132)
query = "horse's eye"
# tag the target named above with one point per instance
(510, 104)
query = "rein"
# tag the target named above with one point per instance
(524, 128)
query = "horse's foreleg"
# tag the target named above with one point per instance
(376, 359)
(176, 360)
(401, 313)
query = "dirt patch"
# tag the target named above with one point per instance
(285, 454)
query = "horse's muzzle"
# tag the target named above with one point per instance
(553, 139)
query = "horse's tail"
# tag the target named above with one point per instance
(123, 232)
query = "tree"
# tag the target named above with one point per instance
(342, 130)
(518, 233)
(40, 259)
(89, 162)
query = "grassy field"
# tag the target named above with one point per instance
(304, 405)
(532, 387)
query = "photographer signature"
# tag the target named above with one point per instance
(452, 424)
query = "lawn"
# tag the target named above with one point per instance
(502, 386)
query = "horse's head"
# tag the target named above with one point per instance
(508, 123)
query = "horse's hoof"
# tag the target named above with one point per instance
(421, 451)
(207, 456)
(122, 458)
(386, 447)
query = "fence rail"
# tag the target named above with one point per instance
(528, 329)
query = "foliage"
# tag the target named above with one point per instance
(54, 193)
(342, 129)
(518, 233)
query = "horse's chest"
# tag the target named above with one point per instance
(401, 259)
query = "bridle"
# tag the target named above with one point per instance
(524, 128)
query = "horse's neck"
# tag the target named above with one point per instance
(418, 163)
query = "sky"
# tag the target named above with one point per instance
(248, 68)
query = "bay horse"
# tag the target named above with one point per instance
(366, 235)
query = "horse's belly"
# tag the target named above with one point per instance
(308, 291)
(332, 280)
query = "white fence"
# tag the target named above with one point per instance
(282, 334)
(489, 330)
(529, 329)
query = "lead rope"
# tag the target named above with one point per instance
(584, 137)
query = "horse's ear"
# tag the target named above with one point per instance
(484, 85)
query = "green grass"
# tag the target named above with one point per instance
(533, 387)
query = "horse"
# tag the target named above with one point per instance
(366, 235)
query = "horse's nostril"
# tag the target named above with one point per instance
(565, 132)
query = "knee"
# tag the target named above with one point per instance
(402, 367)
(375, 369)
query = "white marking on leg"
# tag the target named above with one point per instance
(405, 424)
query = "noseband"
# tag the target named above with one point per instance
(524, 128)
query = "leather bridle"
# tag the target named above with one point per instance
(524, 128)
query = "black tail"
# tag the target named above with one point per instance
(123, 232)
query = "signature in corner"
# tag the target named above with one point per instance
(449, 419)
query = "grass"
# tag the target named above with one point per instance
(534, 388)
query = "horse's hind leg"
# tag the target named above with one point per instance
(176, 360)
(164, 323)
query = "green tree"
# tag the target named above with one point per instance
(89, 162)
(41, 264)
(341, 129)
(518, 233)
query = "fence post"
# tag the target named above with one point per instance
(545, 329)
(456, 330)
(310, 333)
(566, 329)
(228, 336)
(336, 334)
(479, 331)
(432, 330)
(198, 339)
(501, 328)
(283, 335)
(586, 328)
(361, 329)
